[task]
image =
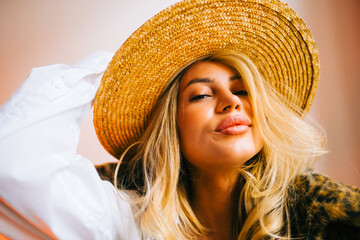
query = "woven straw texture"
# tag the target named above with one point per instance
(268, 31)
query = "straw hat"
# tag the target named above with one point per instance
(269, 32)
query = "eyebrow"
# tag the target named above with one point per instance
(199, 80)
(208, 80)
(235, 77)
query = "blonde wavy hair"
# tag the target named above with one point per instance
(156, 170)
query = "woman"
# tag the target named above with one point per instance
(204, 106)
(238, 169)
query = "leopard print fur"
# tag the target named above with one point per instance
(322, 208)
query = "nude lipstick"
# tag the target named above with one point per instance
(233, 125)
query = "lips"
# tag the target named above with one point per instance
(233, 125)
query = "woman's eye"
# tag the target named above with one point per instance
(241, 93)
(199, 97)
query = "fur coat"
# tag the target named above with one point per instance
(320, 208)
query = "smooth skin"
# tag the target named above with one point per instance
(210, 93)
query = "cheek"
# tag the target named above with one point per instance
(193, 125)
(247, 107)
(189, 122)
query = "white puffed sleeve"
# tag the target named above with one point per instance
(41, 176)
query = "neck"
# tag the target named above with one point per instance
(213, 203)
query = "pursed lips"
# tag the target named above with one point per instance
(233, 125)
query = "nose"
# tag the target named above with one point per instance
(229, 102)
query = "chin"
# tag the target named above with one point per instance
(240, 158)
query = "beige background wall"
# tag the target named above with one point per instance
(40, 32)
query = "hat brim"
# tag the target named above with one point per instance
(269, 32)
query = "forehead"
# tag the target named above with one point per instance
(207, 69)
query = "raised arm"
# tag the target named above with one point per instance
(41, 176)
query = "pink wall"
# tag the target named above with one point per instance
(40, 32)
(335, 25)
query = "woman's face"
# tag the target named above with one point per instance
(215, 118)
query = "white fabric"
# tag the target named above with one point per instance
(41, 176)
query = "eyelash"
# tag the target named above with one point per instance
(202, 96)
(241, 93)
(199, 97)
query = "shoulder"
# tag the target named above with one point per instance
(322, 208)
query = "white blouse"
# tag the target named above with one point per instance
(48, 191)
